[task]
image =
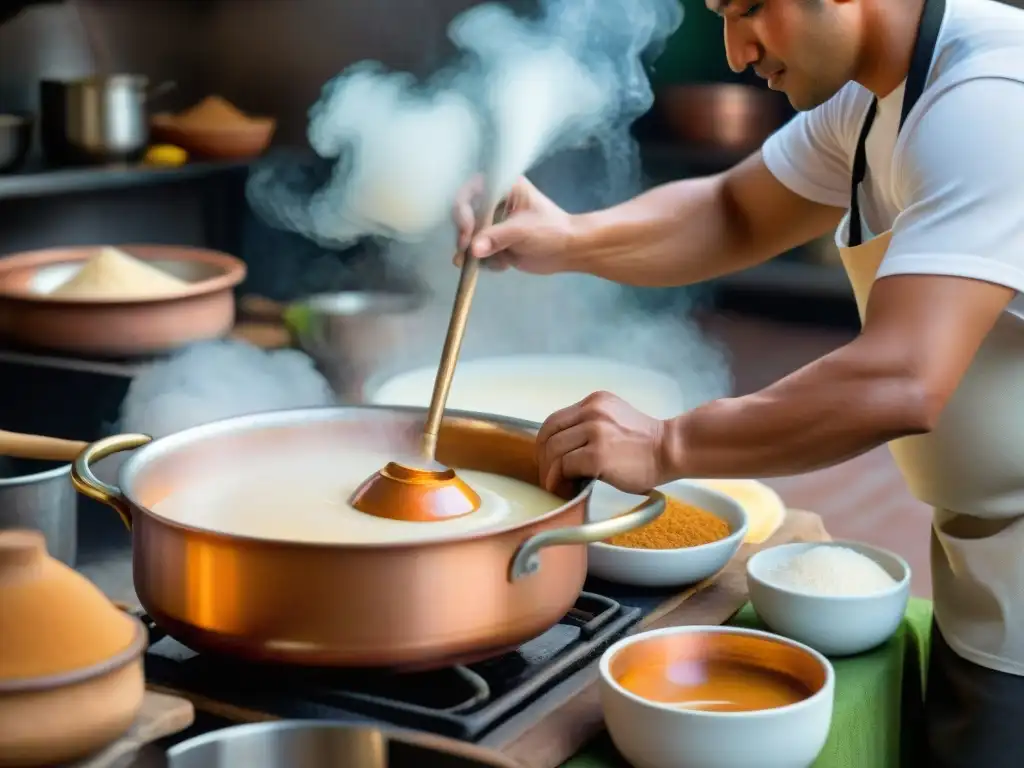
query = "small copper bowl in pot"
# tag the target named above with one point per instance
(406, 604)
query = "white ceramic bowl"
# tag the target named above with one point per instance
(835, 625)
(665, 567)
(656, 735)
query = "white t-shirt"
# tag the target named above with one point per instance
(951, 186)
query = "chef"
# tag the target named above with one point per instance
(910, 139)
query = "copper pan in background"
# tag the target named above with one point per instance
(117, 328)
(403, 605)
(723, 116)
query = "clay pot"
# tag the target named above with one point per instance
(71, 676)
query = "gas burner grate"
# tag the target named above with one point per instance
(461, 701)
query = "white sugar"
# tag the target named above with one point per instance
(832, 571)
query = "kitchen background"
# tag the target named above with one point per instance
(273, 57)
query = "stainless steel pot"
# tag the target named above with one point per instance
(39, 495)
(314, 744)
(349, 333)
(400, 605)
(96, 119)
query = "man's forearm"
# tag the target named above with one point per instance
(675, 234)
(833, 409)
(694, 230)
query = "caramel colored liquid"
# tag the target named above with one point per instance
(714, 686)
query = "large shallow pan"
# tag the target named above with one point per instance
(398, 605)
(30, 317)
(532, 387)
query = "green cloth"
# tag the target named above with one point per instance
(876, 722)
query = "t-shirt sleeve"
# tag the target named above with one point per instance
(959, 174)
(811, 154)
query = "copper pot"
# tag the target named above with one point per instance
(399, 605)
(724, 116)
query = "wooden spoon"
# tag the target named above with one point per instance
(20, 446)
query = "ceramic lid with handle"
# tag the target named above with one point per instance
(56, 627)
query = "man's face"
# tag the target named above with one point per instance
(805, 48)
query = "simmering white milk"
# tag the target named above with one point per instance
(303, 498)
(532, 387)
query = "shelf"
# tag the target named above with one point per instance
(43, 182)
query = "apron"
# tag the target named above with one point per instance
(971, 469)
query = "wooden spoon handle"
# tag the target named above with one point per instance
(22, 446)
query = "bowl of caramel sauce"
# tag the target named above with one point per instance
(716, 697)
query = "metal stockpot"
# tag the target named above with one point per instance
(347, 333)
(399, 605)
(315, 744)
(96, 119)
(39, 495)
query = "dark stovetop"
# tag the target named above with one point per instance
(465, 702)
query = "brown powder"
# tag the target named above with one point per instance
(211, 112)
(680, 525)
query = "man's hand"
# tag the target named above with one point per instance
(602, 437)
(535, 236)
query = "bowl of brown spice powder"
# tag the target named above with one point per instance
(699, 532)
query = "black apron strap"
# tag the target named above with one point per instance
(917, 77)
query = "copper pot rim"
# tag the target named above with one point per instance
(769, 637)
(292, 416)
(232, 272)
(135, 649)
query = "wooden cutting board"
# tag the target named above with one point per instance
(161, 715)
(566, 729)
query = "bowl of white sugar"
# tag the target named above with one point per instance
(840, 597)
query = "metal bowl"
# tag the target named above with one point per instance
(351, 333)
(313, 744)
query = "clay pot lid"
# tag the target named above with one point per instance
(55, 625)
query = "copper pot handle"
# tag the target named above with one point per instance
(85, 481)
(526, 560)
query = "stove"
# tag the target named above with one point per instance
(465, 702)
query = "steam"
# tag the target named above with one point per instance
(554, 94)
(520, 89)
(217, 380)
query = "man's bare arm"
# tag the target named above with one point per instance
(697, 229)
(920, 335)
